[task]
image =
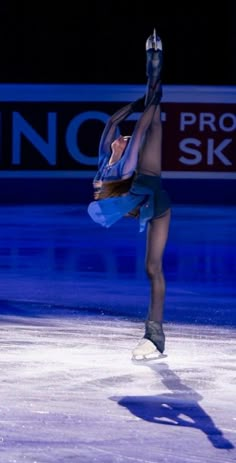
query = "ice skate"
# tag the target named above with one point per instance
(153, 56)
(153, 42)
(145, 350)
(153, 341)
(154, 332)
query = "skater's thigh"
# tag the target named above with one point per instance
(157, 235)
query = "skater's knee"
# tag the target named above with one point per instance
(154, 270)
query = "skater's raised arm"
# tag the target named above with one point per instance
(109, 132)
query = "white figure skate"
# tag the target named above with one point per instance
(152, 345)
(145, 350)
(154, 42)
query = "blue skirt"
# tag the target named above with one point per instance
(146, 193)
(158, 196)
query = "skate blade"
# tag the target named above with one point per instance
(145, 358)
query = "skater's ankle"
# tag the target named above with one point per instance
(154, 332)
(154, 321)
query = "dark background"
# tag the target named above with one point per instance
(104, 43)
(86, 42)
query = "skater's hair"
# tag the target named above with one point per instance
(112, 188)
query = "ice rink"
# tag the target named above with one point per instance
(73, 302)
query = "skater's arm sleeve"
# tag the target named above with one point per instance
(109, 132)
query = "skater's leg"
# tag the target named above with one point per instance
(154, 338)
(153, 65)
(151, 152)
(157, 235)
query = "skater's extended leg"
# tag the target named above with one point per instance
(151, 152)
(153, 65)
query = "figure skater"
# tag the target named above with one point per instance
(128, 183)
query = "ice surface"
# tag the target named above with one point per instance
(70, 391)
(73, 298)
